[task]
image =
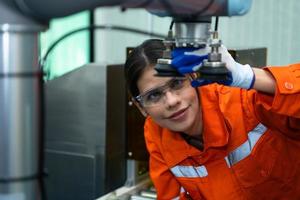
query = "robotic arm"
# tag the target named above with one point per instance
(21, 137)
(46, 10)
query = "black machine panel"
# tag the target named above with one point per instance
(85, 133)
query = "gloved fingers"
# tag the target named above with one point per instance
(189, 68)
(228, 81)
(200, 82)
(227, 58)
(181, 50)
(183, 70)
(185, 60)
(223, 47)
(223, 50)
(199, 52)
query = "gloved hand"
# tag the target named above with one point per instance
(189, 60)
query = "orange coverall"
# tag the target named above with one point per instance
(251, 145)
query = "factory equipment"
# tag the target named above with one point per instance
(85, 132)
(21, 93)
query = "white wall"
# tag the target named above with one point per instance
(270, 23)
(111, 44)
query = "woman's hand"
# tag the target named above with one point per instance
(189, 60)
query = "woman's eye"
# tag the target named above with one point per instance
(154, 96)
(176, 84)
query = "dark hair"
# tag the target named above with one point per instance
(142, 56)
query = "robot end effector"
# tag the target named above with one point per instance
(192, 35)
(193, 31)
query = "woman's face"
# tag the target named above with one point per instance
(179, 110)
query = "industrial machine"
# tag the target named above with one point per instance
(21, 91)
(85, 132)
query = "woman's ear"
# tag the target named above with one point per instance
(140, 107)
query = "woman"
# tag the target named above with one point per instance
(215, 141)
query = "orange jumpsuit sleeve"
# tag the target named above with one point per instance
(167, 187)
(281, 111)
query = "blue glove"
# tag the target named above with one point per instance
(186, 61)
(189, 60)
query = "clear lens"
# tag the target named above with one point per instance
(155, 96)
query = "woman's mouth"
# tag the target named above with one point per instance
(179, 115)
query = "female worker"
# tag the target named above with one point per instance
(217, 141)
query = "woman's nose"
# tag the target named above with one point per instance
(171, 98)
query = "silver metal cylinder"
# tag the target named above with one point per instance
(191, 34)
(148, 193)
(20, 113)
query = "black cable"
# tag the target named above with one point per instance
(95, 27)
(92, 36)
(171, 25)
(216, 23)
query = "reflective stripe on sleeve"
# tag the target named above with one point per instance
(189, 171)
(245, 149)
